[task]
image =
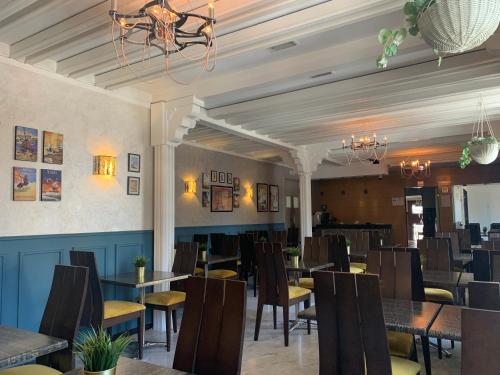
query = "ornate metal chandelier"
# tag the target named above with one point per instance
(368, 150)
(414, 168)
(158, 24)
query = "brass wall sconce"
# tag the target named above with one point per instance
(105, 165)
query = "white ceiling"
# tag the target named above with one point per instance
(422, 109)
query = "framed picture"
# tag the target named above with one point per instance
(262, 198)
(274, 198)
(222, 178)
(52, 148)
(205, 199)
(236, 184)
(26, 144)
(51, 185)
(229, 178)
(134, 163)
(24, 184)
(236, 201)
(221, 198)
(213, 176)
(205, 182)
(133, 185)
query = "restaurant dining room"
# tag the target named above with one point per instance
(224, 187)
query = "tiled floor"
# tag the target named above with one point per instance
(270, 356)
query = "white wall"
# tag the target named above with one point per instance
(484, 204)
(92, 123)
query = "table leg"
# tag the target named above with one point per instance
(206, 270)
(427, 354)
(142, 296)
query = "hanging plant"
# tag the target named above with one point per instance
(447, 26)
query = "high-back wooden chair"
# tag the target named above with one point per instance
(475, 233)
(185, 258)
(464, 239)
(293, 237)
(211, 336)
(248, 260)
(486, 265)
(106, 314)
(216, 243)
(337, 252)
(484, 295)
(273, 286)
(491, 245)
(281, 237)
(436, 254)
(202, 239)
(454, 241)
(480, 333)
(316, 249)
(351, 328)
(229, 247)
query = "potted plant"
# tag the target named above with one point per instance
(203, 251)
(294, 253)
(483, 150)
(485, 231)
(447, 26)
(348, 244)
(263, 239)
(98, 352)
(140, 266)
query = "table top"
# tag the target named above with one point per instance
(127, 366)
(18, 346)
(150, 278)
(448, 324)
(465, 279)
(306, 266)
(463, 257)
(441, 278)
(214, 259)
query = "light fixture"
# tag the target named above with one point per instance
(190, 186)
(249, 192)
(414, 168)
(170, 31)
(368, 150)
(105, 165)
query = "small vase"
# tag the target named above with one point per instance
(111, 371)
(348, 249)
(139, 272)
(203, 255)
(295, 261)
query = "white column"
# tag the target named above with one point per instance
(305, 206)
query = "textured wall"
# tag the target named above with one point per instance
(92, 123)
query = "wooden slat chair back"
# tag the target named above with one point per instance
(464, 239)
(293, 237)
(475, 233)
(216, 240)
(494, 236)
(337, 252)
(495, 265)
(453, 236)
(436, 254)
(490, 245)
(395, 272)
(186, 255)
(281, 237)
(315, 249)
(486, 265)
(273, 280)
(376, 240)
(63, 313)
(248, 259)
(480, 333)
(484, 295)
(201, 239)
(364, 241)
(230, 245)
(211, 336)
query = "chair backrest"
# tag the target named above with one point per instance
(216, 243)
(63, 312)
(351, 329)
(230, 245)
(494, 235)
(293, 237)
(436, 254)
(484, 295)
(201, 239)
(93, 311)
(490, 245)
(315, 249)
(486, 265)
(247, 251)
(464, 238)
(186, 255)
(454, 240)
(394, 270)
(273, 281)
(480, 333)
(337, 252)
(281, 237)
(475, 233)
(213, 326)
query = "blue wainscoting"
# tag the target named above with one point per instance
(27, 266)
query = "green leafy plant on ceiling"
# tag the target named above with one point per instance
(466, 157)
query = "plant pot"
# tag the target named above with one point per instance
(455, 26)
(348, 249)
(139, 273)
(111, 371)
(295, 261)
(485, 153)
(203, 255)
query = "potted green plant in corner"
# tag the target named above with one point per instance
(98, 352)
(203, 251)
(294, 253)
(348, 243)
(140, 266)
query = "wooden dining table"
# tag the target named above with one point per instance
(127, 366)
(211, 259)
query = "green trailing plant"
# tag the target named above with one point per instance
(392, 39)
(466, 158)
(348, 242)
(263, 239)
(98, 351)
(202, 247)
(140, 261)
(294, 252)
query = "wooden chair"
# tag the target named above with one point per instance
(293, 237)
(454, 241)
(61, 319)
(229, 247)
(486, 265)
(464, 240)
(315, 249)
(475, 233)
(169, 301)
(211, 335)
(273, 286)
(281, 237)
(216, 243)
(201, 239)
(351, 328)
(484, 295)
(480, 333)
(490, 245)
(248, 260)
(106, 314)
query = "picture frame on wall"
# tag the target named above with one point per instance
(236, 201)
(229, 178)
(205, 199)
(222, 178)
(262, 197)
(205, 181)
(50, 185)
(24, 184)
(236, 184)
(274, 198)
(26, 144)
(221, 198)
(213, 176)
(133, 185)
(134, 163)
(52, 148)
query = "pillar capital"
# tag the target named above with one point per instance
(307, 159)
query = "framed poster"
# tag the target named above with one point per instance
(222, 178)
(24, 184)
(133, 185)
(262, 197)
(229, 178)
(52, 148)
(274, 198)
(205, 182)
(213, 176)
(205, 199)
(236, 184)
(51, 185)
(134, 163)
(26, 148)
(236, 201)
(221, 198)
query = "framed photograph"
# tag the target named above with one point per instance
(205, 199)
(24, 184)
(274, 198)
(221, 198)
(52, 148)
(222, 178)
(133, 185)
(26, 144)
(236, 201)
(134, 163)
(236, 184)
(262, 197)
(51, 185)
(213, 176)
(229, 178)
(205, 182)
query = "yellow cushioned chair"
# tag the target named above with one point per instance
(359, 265)
(400, 344)
(113, 309)
(30, 370)
(199, 271)
(222, 274)
(402, 366)
(297, 291)
(171, 297)
(306, 282)
(354, 269)
(438, 295)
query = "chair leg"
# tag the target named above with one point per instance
(286, 317)
(168, 321)
(174, 320)
(307, 303)
(141, 327)
(274, 316)
(257, 321)
(453, 344)
(255, 284)
(440, 349)
(414, 352)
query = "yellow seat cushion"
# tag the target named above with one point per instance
(30, 370)
(353, 269)
(168, 298)
(297, 291)
(438, 295)
(400, 344)
(359, 265)
(306, 282)
(199, 271)
(402, 366)
(222, 274)
(112, 309)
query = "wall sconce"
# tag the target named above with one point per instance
(249, 192)
(190, 186)
(288, 201)
(105, 165)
